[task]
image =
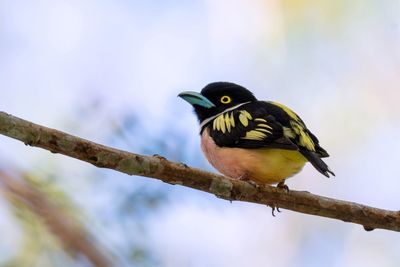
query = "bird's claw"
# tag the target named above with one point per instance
(28, 143)
(283, 186)
(274, 208)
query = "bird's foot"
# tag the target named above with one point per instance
(282, 185)
(274, 208)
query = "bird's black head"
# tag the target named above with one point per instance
(217, 97)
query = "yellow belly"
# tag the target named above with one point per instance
(275, 165)
(265, 165)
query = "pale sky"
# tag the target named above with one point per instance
(335, 63)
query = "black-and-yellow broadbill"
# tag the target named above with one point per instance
(246, 138)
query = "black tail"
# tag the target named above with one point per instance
(317, 162)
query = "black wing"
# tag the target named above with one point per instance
(250, 126)
(296, 130)
(268, 124)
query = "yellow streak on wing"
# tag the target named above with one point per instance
(260, 119)
(243, 120)
(296, 127)
(244, 117)
(288, 111)
(222, 123)
(232, 119)
(288, 133)
(247, 114)
(264, 125)
(215, 124)
(228, 122)
(254, 135)
(306, 141)
(263, 130)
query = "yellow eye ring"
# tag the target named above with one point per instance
(226, 99)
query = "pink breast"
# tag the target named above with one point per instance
(225, 160)
(263, 165)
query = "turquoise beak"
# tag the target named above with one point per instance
(196, 99)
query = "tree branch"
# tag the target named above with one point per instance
(175, 173)
(72, 235)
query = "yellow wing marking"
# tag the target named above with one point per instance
(263, 130)
(219, 123)
(244, 117)
(254, 135)
(288, 133)
(264, 125)
(298, 127)
(232, 119)
(215, 124)
(304, 139)
(229, 121)
(224, 122)
(288, 111)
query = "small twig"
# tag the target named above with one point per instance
(175, 173)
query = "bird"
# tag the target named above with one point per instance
(264, 142)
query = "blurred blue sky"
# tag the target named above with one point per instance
(109, 71)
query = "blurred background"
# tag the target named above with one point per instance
(109, 71)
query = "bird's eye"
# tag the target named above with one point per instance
(226, 99)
